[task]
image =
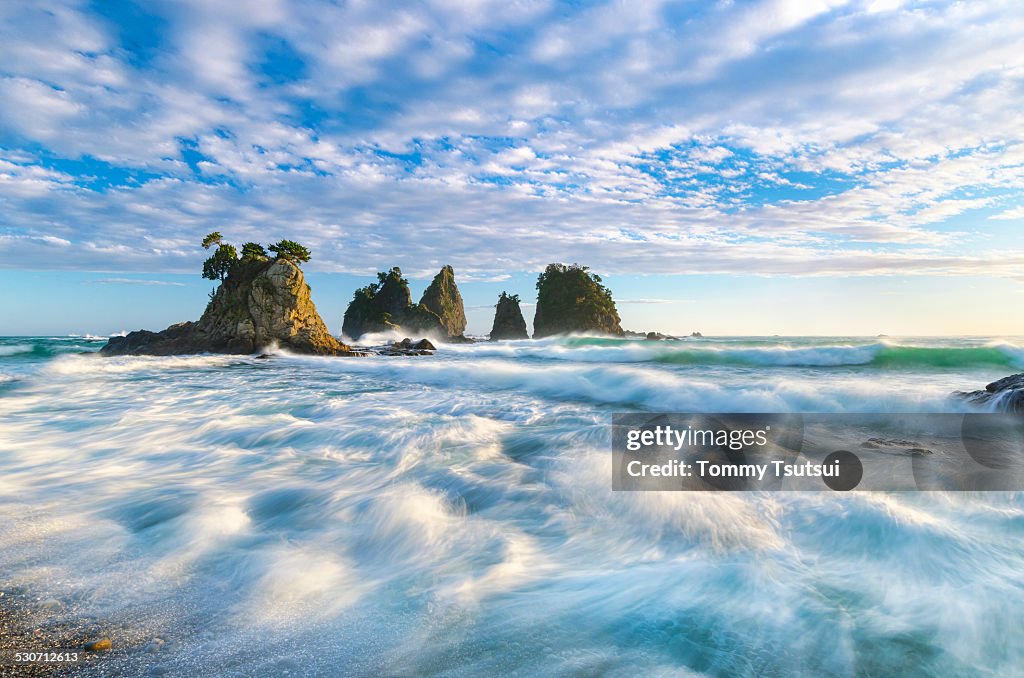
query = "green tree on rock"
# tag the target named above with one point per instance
(221, 261)
(290, 250)
(253, 250)
(571, 299)
(212, 239)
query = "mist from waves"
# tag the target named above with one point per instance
(452, 515)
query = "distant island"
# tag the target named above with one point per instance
(263, 300)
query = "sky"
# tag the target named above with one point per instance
(762, 167)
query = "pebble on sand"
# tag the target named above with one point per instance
(101, 645)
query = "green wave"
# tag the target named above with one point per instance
(877, 354)
(923, 356)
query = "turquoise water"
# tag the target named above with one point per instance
(452, 515)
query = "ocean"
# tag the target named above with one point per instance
(452, 515)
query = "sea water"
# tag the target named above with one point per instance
(453, 514)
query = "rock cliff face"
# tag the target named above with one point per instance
(262, 302)
(508, 319)
(387, 305)
(1004, 395)
(570, 299)
(443, 298)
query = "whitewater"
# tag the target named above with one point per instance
(452, 514)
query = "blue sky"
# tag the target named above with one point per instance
(784, 167)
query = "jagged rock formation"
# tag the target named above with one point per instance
(508, 319)
(387, 305)
(261, 302)
(1004, 395)
(569, 299)
(443, 298)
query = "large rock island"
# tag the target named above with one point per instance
(387, 306)
(571, 299)
(261, 301)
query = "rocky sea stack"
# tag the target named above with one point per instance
(387, 305)
(508, 319)
(443, 298)
(571, 299)
(260, 302)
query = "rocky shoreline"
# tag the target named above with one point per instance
(1002, 395)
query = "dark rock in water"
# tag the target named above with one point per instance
(508, 319)
(650, 336)
(443, 299)
(1003, 395)
(570, 299)
(696, 335)
(262, 302)
(896, 446)
(408, 347)
(387, 305)
(101, 645)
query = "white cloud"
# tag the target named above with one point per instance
(771, 137)
(1010, 214)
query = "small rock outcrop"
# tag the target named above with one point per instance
(387, 305)
(571, 299)
(1004, 395)
(408, 347)
(443, 299)
(508, 319)
(261, 302)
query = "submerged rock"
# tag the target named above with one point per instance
(508, 319)
(262, 302)
(155, 645)
(1003, 395)
(570, 299)
(443, 299)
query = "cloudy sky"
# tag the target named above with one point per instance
(779, 166)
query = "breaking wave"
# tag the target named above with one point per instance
(453, 515)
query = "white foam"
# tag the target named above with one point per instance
(16, 349)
